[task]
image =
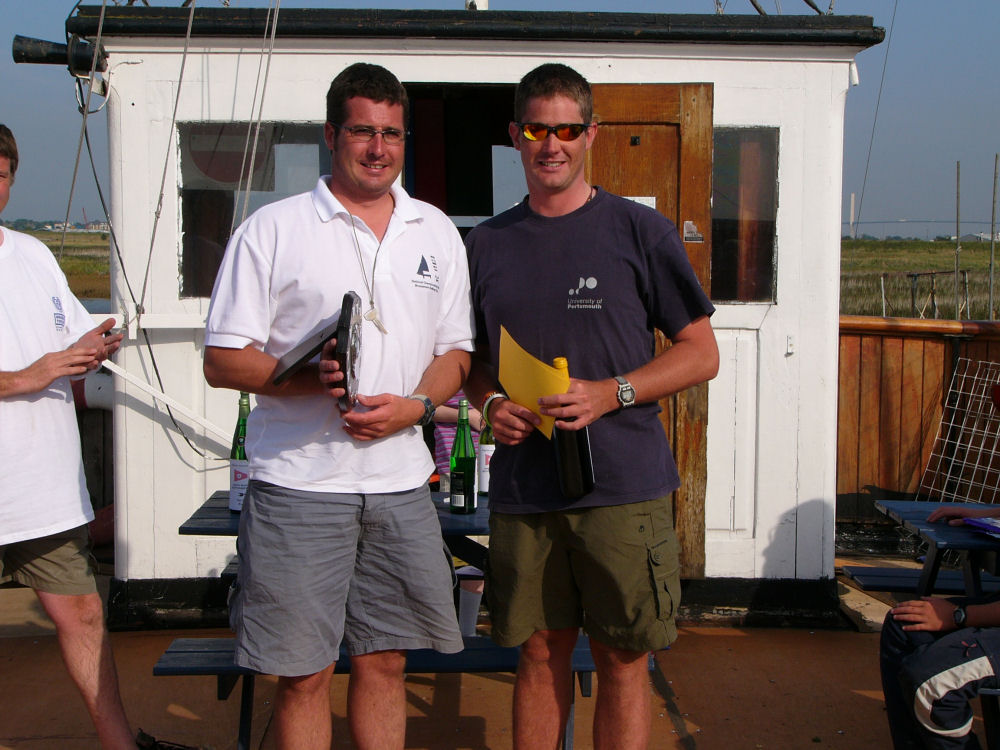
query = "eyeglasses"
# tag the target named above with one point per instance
(565, 131)
(366, 133)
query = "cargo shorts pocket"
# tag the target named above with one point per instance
(664, 570)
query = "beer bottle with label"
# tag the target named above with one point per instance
(239, 467)
(574, 463)
(462, 464)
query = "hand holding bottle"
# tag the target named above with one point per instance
(584, 403)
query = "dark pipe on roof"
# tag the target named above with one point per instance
(825, 30)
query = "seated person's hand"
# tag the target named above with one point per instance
(927, 613)
(954, 514)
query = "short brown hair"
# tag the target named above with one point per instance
(8, 148)
(365, 80)
(553, 79)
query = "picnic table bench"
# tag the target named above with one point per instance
(215, 657)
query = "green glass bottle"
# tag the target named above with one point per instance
(462, 465)
(239, 467)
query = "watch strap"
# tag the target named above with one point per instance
(428, 416)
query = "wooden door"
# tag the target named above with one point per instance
(654, 144)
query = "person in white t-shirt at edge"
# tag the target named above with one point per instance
(339, 540)
(46, 338)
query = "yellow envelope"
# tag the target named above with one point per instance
(525, 379)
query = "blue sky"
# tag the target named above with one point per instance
(940, 105)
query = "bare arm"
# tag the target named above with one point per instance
(388, 413)
(692, 358)
(937, 615)
(251, 370)
(86, 354)
(449, 415)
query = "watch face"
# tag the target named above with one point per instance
(626, 394)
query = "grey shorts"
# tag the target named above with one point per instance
(317, 568)
(60, 563)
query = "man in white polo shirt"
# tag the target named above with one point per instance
(339, 539)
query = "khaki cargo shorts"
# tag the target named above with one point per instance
(57, 564)
(613, 571)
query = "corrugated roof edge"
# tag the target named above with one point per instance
(825, 30)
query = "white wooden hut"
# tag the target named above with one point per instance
(732, 125)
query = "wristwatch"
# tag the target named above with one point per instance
(959, 615)
(428, 409)
(626, 393)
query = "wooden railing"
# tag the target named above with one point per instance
(894, 374)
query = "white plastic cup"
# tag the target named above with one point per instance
(470, 596)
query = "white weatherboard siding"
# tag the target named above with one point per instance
(772, 410)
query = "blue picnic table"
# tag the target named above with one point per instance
(213, 518)
(976, 550)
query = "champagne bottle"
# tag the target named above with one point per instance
(483, 458)
(239, 467)
(574, 463)
(463, 465)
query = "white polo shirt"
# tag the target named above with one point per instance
(285, 273)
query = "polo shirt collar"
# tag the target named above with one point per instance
(328, 206)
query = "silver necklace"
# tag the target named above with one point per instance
(372, 314)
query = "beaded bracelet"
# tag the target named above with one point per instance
(490, 397)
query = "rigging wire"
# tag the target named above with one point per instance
(246, 172)
(131, 292)
(166, 162)
(85, 137)
(878, 101)
(84, 108)
(83, 125)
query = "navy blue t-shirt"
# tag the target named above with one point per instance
(590, 286)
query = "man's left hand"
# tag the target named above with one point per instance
(386, 414)
(585, 402)
(927, 613)
(101, 339)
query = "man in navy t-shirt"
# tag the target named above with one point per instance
(577, 272)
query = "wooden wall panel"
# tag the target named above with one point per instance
(890, 407)
(911, 418)
(894, 374)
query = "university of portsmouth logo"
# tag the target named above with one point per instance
(58, 316)
(581, 297)
(427, 276)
